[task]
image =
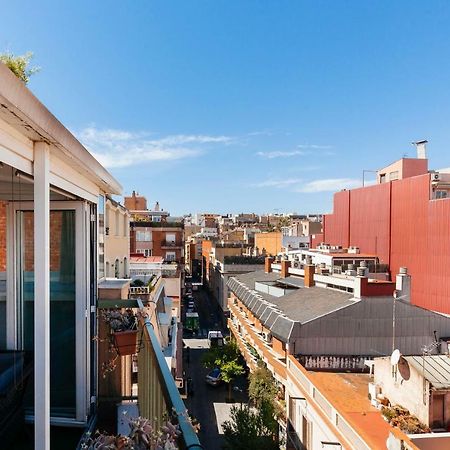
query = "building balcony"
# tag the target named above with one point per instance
(155, 395)
(249, 334)
(170, 245)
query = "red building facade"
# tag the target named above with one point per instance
(401, 223)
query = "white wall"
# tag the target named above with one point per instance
(406, 393)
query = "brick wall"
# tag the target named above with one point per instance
(135, 202)
(55, 240)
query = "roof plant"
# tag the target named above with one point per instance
(19, 65)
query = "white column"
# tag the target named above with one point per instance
(41, 296)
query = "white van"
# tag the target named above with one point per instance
(215, 339)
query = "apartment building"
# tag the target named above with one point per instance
(205, 220)
(404, 220)
(153, 233)
(163, 239)
(137, 205)
(193, 256)
(302, 227)
(117, 239)
(53, 254)
(222, 260)
(315, 330)
(245, 218)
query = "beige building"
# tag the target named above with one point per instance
(117, 239)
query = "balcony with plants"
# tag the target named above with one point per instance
(134, 374)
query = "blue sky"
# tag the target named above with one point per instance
(230, 106)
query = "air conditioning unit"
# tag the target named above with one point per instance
(267, 337)
(353, 250)
(296, 265)
(436, 176)
(351, 273)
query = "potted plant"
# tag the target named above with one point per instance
(142, 436)
(123, 326)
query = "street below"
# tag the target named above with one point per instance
(208, 404)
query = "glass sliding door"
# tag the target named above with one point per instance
(63, 308)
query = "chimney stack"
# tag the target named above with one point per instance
(310, 270)
(403, 284)
(268, 264)
(361, 281)
(285, 264)
(421, 147)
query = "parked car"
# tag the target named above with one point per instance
(214, 377)
(215, 339)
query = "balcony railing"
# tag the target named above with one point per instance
(158, 394)
(149, 223)
(171, 244)
(158, 397)
(138, 290)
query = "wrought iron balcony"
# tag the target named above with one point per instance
(171, 244)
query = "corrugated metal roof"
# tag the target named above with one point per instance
(436, 368)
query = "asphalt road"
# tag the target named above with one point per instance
(207, 402)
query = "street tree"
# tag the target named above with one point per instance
(262, 385)
(225, 358)
(248, 429)
(229, 371)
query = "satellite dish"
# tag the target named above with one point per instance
(395, 357)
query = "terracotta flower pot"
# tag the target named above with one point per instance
(125, 342)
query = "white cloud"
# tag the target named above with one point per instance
(278, 184)
(180, 139)
(331, 184)
(278, 154)
(261, 133)
(315, 147)
(119, 148)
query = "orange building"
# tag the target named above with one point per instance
(269, 243)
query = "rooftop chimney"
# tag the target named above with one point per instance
(268, 264)
(285, 264)
(403, 284)
(421, 147)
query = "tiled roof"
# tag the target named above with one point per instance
(299, 306)
(146, 259)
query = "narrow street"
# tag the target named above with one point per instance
(208, 404)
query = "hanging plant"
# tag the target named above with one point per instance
(123, 326)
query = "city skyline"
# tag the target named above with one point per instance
(182, 98)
